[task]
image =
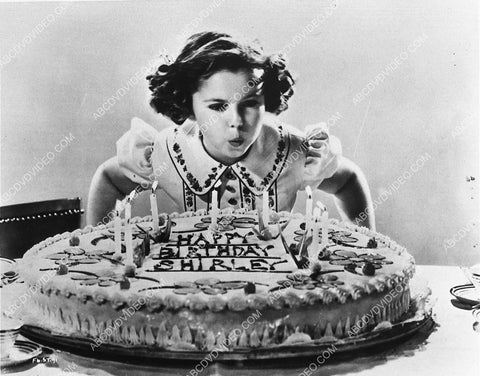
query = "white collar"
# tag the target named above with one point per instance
(258, 170)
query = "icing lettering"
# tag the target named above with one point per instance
(166, 252)
(164, 265)
(223, 251)
(186, 265)
(218, 263)
(229, 252)
(257, 265)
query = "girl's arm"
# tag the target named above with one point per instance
(352, 194)
(108, 185)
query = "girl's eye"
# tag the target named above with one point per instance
(218, 107)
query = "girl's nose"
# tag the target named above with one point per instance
(234, 116)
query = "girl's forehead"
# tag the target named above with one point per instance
(225, 84)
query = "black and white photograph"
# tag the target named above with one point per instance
(228, 187)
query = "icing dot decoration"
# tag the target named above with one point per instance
(74, 241)
(372, 243)
(368, 269)
(249, 288)
(125, 284)
(62, 269)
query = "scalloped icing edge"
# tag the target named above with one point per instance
(174, 337)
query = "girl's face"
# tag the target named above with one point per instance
(229, 109)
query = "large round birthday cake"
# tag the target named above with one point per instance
(194, 289)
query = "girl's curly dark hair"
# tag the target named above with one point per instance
(206, 53)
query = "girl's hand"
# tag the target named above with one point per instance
(323, 154)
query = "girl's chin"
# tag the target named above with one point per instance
(234, 154)
(237, 151)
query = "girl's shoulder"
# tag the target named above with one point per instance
(275, 126)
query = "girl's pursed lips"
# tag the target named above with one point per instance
(236, 141)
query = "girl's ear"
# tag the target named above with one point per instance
(192, 117)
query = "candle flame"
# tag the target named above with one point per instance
(132, 195)
(154, 186)
(321, 206)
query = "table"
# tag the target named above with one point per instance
(452, 348)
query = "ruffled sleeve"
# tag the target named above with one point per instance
(134, 151)
(323, 154)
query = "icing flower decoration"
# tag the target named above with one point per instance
(353, 260)
(324, 279)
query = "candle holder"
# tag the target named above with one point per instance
(164, 230)
(307, 246)
(224, 223)
(267, 231)
(141, 251)
(302, 250)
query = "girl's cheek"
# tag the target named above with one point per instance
(253, 115)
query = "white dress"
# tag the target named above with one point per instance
(281, 160)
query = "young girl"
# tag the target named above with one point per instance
(223, 96)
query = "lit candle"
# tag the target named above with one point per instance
(324, 221)
(128, 229)
(153, 206)
(117, 227)
(316, 228)
(258, 206)
(215, 203)
(265, 208)
(308, 211)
